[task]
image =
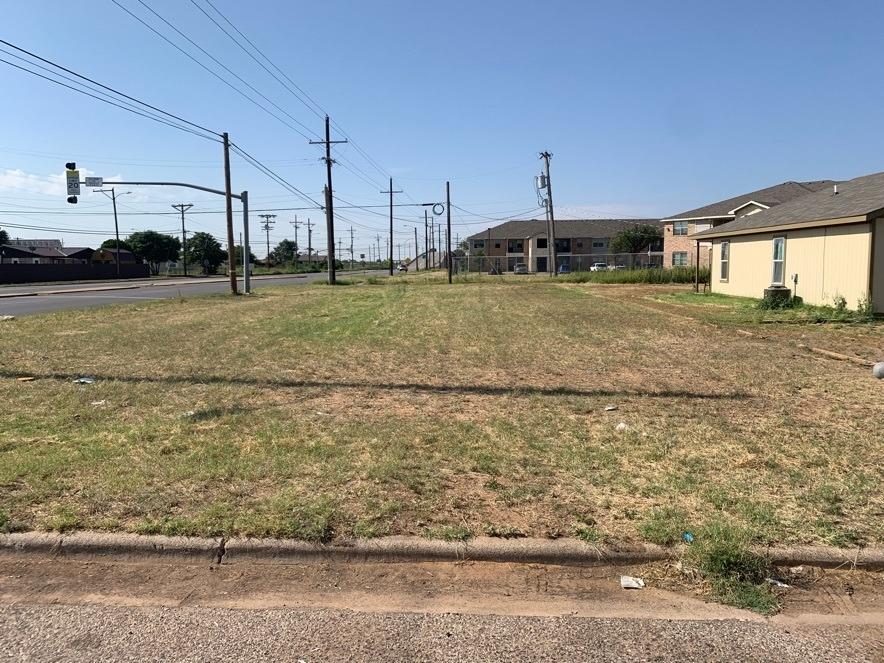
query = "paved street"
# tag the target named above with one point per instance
(136, 291)
(88, 633)
(69, 608)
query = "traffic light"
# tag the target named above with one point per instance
(72, 200)
(70, 165)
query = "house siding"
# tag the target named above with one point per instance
(878, 267)
(830, 261)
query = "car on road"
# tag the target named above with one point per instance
(403, 268)
(598, 267)
(520, 268)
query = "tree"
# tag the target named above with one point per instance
(4, 236)
(284, 252)
(204, 249)
(112, 244)
(154, 247)
(635, 239)
(238, 250)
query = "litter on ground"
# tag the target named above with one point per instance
(628, 582)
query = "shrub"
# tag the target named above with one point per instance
(648, 275)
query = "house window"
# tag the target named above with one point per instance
(598, 243)
(779, 261)
(515, 246)
(579, 243)
(680, 228)
(725, 260)
(541, 242)
(679, 258)
(478, 244)
(496, 245)
(563, 246)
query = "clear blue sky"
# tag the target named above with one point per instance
(649, 107)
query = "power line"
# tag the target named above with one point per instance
(274, 176)
(109, 89)
(118, 105)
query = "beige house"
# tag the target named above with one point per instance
(824, 245)
(679, 249)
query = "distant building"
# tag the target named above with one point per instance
(102, 256)
(579, 244)
(44, 252)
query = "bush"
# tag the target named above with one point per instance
(779, 303)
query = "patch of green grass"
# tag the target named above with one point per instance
(657, 275)
(747, 595)
(449, 533)
(664, 526)
(588, 532)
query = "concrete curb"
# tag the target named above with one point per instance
(570, 552)
(69, 291)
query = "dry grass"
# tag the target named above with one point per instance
(414, 407)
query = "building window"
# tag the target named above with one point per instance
(541, 242)
(779, 261)
(598, 243)
(725, 260)
(515, 246)
(563, 246)
(496, 245)
(679, 258)
(478, 244)
(680, 228)
(579, 243)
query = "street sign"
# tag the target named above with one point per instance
(73, 177)
(95, 182)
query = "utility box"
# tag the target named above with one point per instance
(777, 293)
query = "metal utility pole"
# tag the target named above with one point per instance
(309, 241)
(417, 253)
(448, 229)
(552, 219)
(329, 204)
(391, 192)
(296, 223)
(183, 207)
(438, 244)
(228, 199)
(426, 241)
(268, 224)
(113, 198)
(432, 242)
(377, 253)
(351, 248)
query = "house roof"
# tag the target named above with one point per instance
(860, 197)
(770, 197)
(123, 252)
(564, 229)
(16, 251)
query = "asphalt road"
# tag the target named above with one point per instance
(136, 291)
(113, 633)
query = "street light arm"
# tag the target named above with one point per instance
(183, 184)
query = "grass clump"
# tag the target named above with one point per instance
(664, 526)
(737, 574)
(449, 533)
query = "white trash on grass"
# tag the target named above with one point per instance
(629, 582)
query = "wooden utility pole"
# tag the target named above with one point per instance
(426, 241)
(552, 218)
(268, 224)
(296, 223)
(417, 253)
(329, 196)
(351, 248)
(183, 207)
(228, 199)
(309, 242)
(448, 228)
(391, 192)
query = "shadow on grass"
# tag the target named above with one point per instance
(491, 390)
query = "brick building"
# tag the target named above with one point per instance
(680, 249)
(579, 244)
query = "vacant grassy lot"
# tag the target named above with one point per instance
(414, 407)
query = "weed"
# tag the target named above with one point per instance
(503, 531)
(588, 532)
(747, 595)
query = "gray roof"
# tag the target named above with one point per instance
(564, 229)
(863, 196)
(771, 196)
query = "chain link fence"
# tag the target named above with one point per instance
(565, 263)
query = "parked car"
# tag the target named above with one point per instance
(403, 268)
(598, 267)
(619, 267)
(564, 269)
(520, 268)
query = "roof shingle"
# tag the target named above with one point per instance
(771, 196)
